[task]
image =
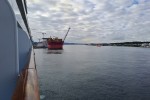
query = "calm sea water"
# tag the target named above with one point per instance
(94, 73)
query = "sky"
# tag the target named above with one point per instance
(91, 21)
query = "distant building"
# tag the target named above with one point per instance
(145, 45)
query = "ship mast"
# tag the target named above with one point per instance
(66, 34)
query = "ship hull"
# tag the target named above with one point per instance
(18, 75)
(55, 45)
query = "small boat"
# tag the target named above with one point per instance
(98, 45)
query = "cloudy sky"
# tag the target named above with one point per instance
(91, 20)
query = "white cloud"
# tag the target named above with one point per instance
(91, 20)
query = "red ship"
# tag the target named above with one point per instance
(56, 43)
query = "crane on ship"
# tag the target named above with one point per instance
(66, 34)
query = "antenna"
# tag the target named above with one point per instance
(39, 39)
(43, 34)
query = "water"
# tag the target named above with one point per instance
(94, 73)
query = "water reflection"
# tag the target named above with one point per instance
(54, 51)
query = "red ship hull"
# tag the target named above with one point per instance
(55, 45)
